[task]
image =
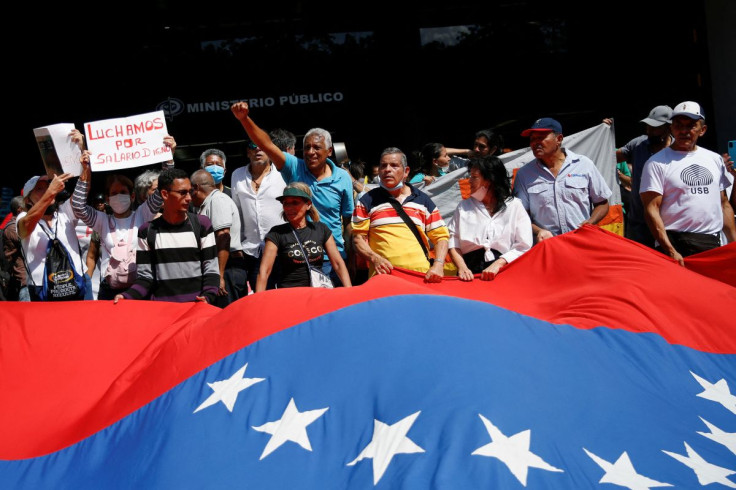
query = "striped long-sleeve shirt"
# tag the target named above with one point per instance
(112, 229)
(177, 269)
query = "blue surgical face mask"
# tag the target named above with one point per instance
(216, 172)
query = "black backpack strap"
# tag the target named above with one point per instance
(402, 214)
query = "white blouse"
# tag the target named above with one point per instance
(508, 231)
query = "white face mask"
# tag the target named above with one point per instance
(120, 203)
(480, 193)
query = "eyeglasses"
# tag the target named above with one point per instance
(181, 192)
(252, 146)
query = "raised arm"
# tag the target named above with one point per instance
(28, 223)
(257, 135)
(81, 209)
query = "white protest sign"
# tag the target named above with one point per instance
(58, 152)
(127, 142)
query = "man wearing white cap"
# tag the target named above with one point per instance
(43, 222)
(683, 190)
(636, 152)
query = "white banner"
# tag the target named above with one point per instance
(58, 152)
(596, 143)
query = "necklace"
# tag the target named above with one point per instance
(257, 182)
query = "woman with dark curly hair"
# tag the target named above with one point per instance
(491, 228)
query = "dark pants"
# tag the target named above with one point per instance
(106, 292)
(687, 243)
(236, 281)
(476, 261)
(253, 265)
(639, 232)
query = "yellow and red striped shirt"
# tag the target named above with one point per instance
(387, 233)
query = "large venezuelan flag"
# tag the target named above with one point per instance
(590, 360)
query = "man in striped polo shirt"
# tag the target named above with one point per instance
(383, 237)
(182, 264)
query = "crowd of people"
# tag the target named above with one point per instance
(286, 221)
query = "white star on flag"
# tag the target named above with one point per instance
(622, 473)
(388, 440)
(718, 392)
(291, 427)
(706, 472)
(728, 439)
(513, 451)
(226, 391)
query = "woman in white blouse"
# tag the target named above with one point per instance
(491, 228)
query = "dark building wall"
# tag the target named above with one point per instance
(519, 61)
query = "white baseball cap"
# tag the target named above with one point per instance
(31, 184)
(690, 109)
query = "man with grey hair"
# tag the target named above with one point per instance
(225, 218)
(215, 162)
(284, 139)
(393, 224)
(145, 184)
(331, 186)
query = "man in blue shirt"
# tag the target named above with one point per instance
(331, 186)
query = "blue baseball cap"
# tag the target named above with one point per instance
(544, 124)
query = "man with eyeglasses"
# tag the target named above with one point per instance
(331, 186)
(255, 188)
(209, 201)
(181, 266)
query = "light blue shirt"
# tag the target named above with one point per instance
(332, 196)
(560, 204)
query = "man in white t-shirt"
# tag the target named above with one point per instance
(683, 190)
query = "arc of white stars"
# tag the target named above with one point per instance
(728, 439)
(388, 441)
(226, 391)
(717, 392)
(622, 473)
(292, 426)
(706, 472)
(513, 451)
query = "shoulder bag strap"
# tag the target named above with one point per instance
(306, 259)
(402, 214)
